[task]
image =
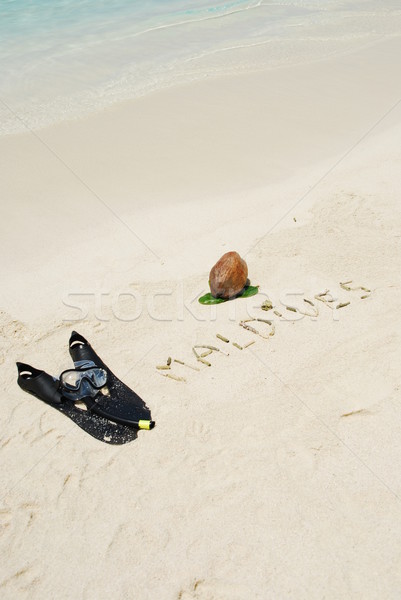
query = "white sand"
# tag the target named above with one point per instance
(254, 483)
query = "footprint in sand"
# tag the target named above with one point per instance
(199, 431)
(5, 519)
(11, 330)
(213, 590)
(23, 579)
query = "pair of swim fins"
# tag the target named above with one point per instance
(113, 417)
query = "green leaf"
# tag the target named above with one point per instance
(209, 299)
(247, 292)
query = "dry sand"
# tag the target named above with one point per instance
(275, 473)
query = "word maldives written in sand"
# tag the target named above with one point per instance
(204, 352)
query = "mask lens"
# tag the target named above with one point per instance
(74, 379)
(71, 380)
(98, 377)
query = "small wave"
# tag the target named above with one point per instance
(113, 37)
(190, 21)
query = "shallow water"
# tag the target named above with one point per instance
(63, 58)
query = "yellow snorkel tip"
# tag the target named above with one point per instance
(146, 424)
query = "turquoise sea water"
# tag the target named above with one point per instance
(62, 58)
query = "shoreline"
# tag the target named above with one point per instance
(281, 45)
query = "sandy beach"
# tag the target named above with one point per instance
(274, 473)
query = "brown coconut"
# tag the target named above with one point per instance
(228, 276)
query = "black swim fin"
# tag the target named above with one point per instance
(121, 405)
(45, 387)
